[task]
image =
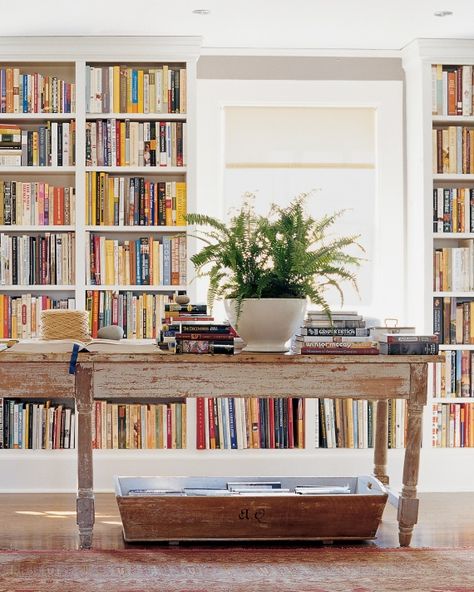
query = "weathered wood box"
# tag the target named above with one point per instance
(149, 514)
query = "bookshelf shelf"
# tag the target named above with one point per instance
(39, 453)
(139, 116)
(137, 229)
(453, 119)
(453, 399)
(35, 117)
(457, 346)
(454, 294)
(139, 170)
(453, 177)
(41, 170)
(38, 288)
(36, 228)
(137, 288)
(452, 235)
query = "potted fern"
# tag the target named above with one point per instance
(268, 267)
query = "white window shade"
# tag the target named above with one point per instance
(340, 137)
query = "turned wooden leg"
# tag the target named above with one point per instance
(381, 442)
(85, 494)
(408, 503)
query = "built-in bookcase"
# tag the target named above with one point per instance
(105, 185)
(96, 176)
(440, 253)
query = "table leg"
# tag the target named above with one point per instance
(381, 440)
(85, 494)
(408, 503)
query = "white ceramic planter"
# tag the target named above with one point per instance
(266, 324)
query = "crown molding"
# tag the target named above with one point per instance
(438, 50)
(63, 48)
(300, 52)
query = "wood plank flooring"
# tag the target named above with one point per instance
(47, 521)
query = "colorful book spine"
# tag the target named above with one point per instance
(113, 142)
(235, 423)
(128, 89)
(138, 426)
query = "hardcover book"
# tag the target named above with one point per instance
(410, 348)
(94, 345)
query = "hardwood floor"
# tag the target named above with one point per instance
(47, 521)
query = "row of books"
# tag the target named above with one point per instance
(36, 425)
(453, 425)
(350, 423)
(111, 142)
(453, 150)
(139, 315)
(451, 90)
(124, 89)
(134, 201)
(453, 209)
(20, 315)
(44, 425)
(344, 332)
(453, 320)
(145, 261)
(454, 268)
(46, 259)
(234, 423)
(33, 92)
(36, 203)
(50, 144)
(138, 426)
(454, 378)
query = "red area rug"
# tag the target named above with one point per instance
(242, 569)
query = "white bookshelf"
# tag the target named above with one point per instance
(418, 58)
(67, 58)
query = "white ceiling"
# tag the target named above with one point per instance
(259, 24)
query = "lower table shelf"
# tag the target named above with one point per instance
(203, 508)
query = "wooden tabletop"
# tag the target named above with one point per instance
(160, 357)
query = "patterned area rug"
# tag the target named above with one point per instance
(242, 569)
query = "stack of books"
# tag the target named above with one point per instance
(343, 333)
(408, 344)
(189, 328)
(197, 337)
(10, 145)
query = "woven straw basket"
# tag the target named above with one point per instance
(64, 324)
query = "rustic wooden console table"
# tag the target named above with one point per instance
(155, 376)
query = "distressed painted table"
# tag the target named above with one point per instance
(154, 376)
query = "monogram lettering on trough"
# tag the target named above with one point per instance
(246, 514)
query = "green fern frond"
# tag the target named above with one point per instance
(285, 254)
